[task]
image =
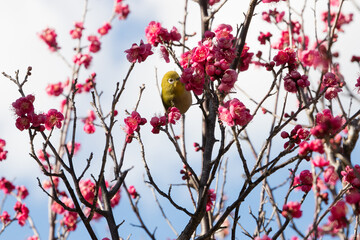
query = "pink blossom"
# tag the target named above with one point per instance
(330, 80)
(82, 59)
(320, 161)
(5, 217)
(104, 29)
(287, 55)
(23, 123)
(53, 119)
(76, 147)
(353, 197)
(133, 122)
(22, 192)
(200, 53)
(173, 115)
(77, 32)
(292, 210)
(95, 44)
(309, 58)
(33, 238)
(138, 53)
(228, 80)
(48, 183)
(330, 176)
(264, 37)
(327, 124)
(116, 199)
(54, 89)
(155, 33)
(296, 182)
(212, 2)
(24, 105)
(48, 35)
(210, 200)
(349, 175)
(234, 112)
(164, 54)
(194, 81)
(69, 220)
(294, 80)
(122, 10)
(156, 123)
(357, 85)
(89, 128)
(304, 148)
(306, 180)
(3, 152)
(338, 215)
(87, 189)
(132, 192)
(317, 146)
(342, 20)
(223, 31)
(265, 237)
(245, 59)
(174, 34)
(22, 213)
(332, 92)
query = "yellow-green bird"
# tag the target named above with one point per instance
(173, 92)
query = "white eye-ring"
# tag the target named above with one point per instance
(171, 81)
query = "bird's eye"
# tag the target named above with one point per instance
(171, 81)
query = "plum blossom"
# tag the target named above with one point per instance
(53, 119)
(157, 122)
(211, 199)
(77, 32)
(138, 53)
(122, 10)
(234, 112)
(292, 210)
(54, 89)
(306, 180)
(132, 124)
(228, 80)
(132, 191)
(82, 59)
(327, 124)
(95, 44)
(173, 115)
(48, 35)
(104, 29)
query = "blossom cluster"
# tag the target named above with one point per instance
(210, 200)
(3, 152)
(156, 34)
(138, 52)
(234, 112)
(89, 126)
(87, 189)
(327, 125)
(212, 57)
(21, 211)
(292, 210)
(297, 134)
(171, 117)
(27, 118)
(132, 124)
(332, 84)
(132, 191)
(48, 35)
(294, 80)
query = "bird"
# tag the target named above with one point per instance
(173, 92)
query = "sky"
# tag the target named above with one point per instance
(20, 47)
